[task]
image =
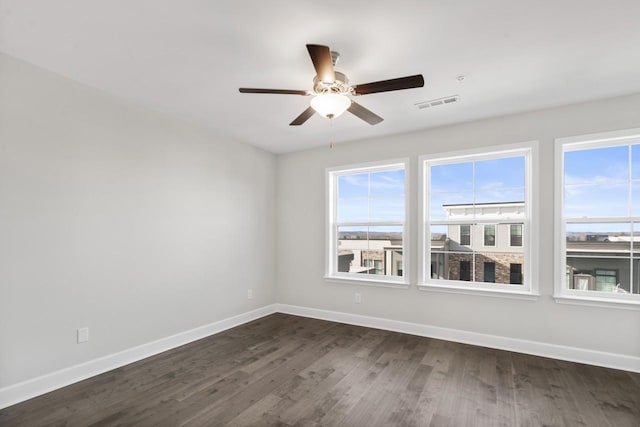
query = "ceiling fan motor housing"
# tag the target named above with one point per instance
(339, 85)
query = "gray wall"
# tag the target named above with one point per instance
(116, 218)
(301, 240)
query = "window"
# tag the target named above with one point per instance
(485, 194)
(606, 280)
(598, 212)
(465, 270)
(367, 223)
(465, 234)
(489, 272)
(375, 265)
(515, 274)
(489, 235)
(515, 233)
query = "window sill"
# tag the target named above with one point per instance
(496, 293)
(598, 302)
(367, 282)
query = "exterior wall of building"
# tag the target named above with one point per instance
(452, 264)
(447, 265)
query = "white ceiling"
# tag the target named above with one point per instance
(188, 57)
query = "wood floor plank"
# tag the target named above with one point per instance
(284, 370)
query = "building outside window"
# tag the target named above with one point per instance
(477, 216)
(598, 237)
(366, 222)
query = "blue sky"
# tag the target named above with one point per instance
(375, 196)
(597, 182)
(499, 180)
(596, 185)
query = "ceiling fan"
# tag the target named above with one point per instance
(331, 89)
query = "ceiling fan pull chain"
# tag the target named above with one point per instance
(330, 133)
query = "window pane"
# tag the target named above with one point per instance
(500, 174)
(446, 265)
(599, 274)
(384, 253)
(635, 161)
(460, 237)
(370, 250)
(500, 196)
(387, 183)
(387, 208)
(635, 289)
(611, 239)
(598, 257)
(596, 165)
(439, 236)
(635, 198)
(457, 177)
(353, 209)
(351, 242)
(356, 185)
(450, 205)
(593, 201)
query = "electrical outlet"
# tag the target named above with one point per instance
(83, 335)
(358, 298)
(250, 294)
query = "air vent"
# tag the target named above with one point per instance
(437, 102)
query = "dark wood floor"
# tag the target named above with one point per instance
(286, 370)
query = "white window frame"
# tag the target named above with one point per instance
(529, 289)
(331, 243)
(575, 296)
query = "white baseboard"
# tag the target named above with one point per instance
(554, 351)
(34, 387)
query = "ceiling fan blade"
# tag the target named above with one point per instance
(306, 114)
(365, 114)
(274, 91)
(321, 57)
(408, 82)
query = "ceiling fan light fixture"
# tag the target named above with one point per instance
(330, 105)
